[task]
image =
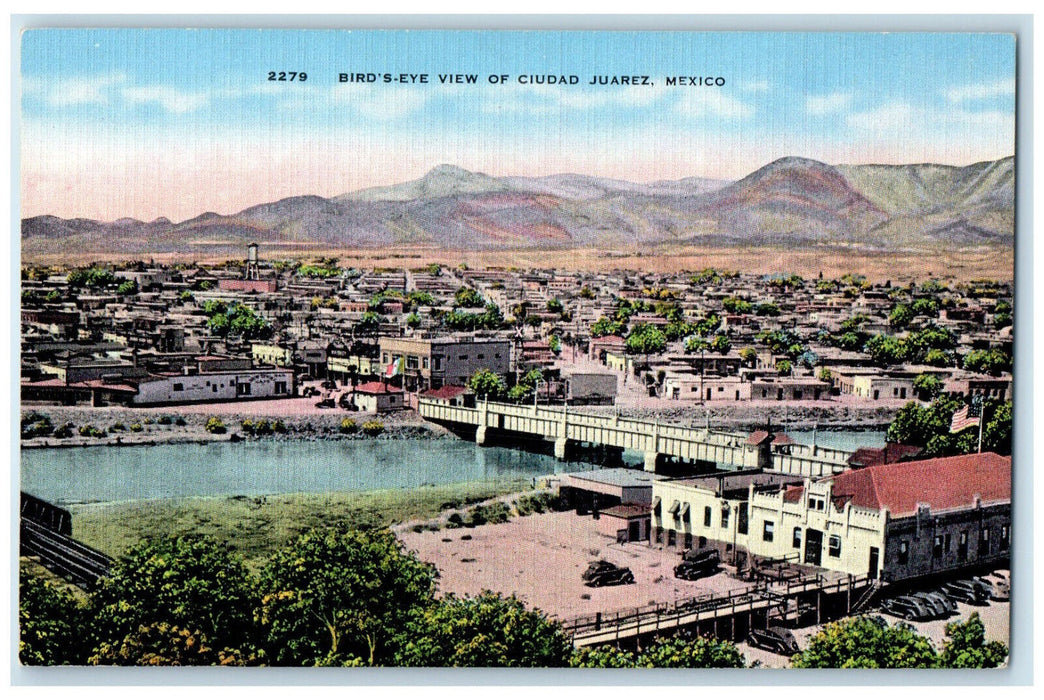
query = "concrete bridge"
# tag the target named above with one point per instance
(569, 429)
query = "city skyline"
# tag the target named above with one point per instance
(172, 123)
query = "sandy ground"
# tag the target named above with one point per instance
(897, 266)
(539, 558)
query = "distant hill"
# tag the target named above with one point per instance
(789, 202)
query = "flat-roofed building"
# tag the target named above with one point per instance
(429, 363)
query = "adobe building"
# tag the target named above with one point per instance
(888, 521)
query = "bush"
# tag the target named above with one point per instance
(348, 427)
(278, 426)
(136, 427)
(373, 428)
(179, 421)
(541, 502)
(89, 430)
(117, 428)
(492, 513)
(215, 425)
(64, 430)
(165, 420)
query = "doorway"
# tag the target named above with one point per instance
(813, 546)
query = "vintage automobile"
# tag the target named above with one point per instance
(777, 639)
(967, 591)
(604, 573)
(908, 608)
(937, 603)
(697, 563)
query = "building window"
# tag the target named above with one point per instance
(767, 533)
(904, 552)
(984, 541)
(937, 547)
(242, 389)
(725, 517)
(481, 356)
(834, 548)
(178, 386)
(436, 362)
(384, 359)
(707, 516)
(962, 545)
(1004, 536)
(412, 362)
(424, 362)
(741, 519)
(797, 538)
(463, 357)
(280, 387)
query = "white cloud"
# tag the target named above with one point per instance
(712, 103)
(375, 102)
(827, 104)
(903, 118)
(95, 89)
(170, 99)
(982, 91)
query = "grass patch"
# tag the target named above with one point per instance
(256, 527)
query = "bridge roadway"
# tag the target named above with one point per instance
(655, 440)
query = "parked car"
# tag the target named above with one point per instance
(604, 573)
(944, 605)
(1001, 589)
(697, 563)
(777, 639)
(940, 605)
(966, 591)
(908, 608)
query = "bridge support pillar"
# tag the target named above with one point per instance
(480, 435)
(561, 447)
(651, 459)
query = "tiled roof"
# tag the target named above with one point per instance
(377, 388)
(943, 483)
(445, 392)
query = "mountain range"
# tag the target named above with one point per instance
(791, 202)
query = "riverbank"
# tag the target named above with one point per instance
(257, 526)
(176, 425)
(187, 424)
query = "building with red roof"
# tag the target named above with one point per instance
(892, 521)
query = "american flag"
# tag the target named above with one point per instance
(965, 418)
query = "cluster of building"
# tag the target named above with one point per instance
(890, 521)
(148, 335)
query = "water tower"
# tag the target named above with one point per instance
(252, 271)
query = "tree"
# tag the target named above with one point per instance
(605, 326)
(721, 344)
(190, 581)
(163, 644)
(927, 386)
(988, 361)
(645, 339)
(673, 652)
(748, 356)
(867, 642)
(127, 288)
(966, 646)
(767, 308)
(485, 630)
(554, 305)
(736, 305)
(886, 349)
(784, 367)
(467, 297)
(334, 595)
(51, 624)
(901, 316)
(487, 384)
(702, 652)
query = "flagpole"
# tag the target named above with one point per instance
(982, 410)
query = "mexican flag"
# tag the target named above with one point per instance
(394, 368)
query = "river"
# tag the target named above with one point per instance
(110, 473)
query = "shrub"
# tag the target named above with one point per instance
(117, 427)
(278, 426)
(373, 428)
(492, 513)
(179, 421)
(136, 427)
(348, 427)
(64, 430)
(215, 425)
(89, 430)
(165, 420)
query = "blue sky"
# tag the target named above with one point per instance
(150, 123)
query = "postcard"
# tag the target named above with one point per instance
(502, 348)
